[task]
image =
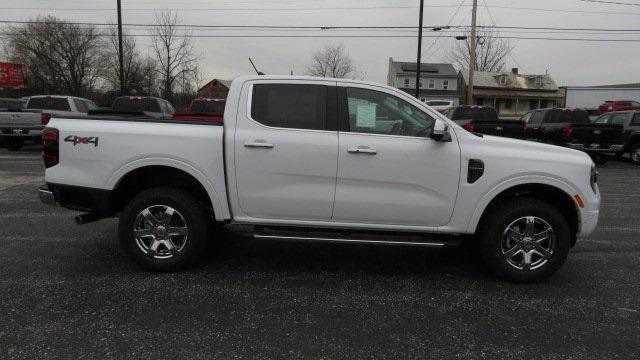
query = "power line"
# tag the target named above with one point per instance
(327, 27)
(378, 37)
(494, 24)
(611, 2)
(553, 10)
(448, 23)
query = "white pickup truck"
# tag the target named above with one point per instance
(18, 125)
(322, 160)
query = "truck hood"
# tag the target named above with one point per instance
(514, 149)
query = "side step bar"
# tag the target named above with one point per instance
(338, 240)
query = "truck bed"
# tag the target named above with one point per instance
(96, 152)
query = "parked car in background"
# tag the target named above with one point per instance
(630, 121)
(138, 106)
(19, 125)
(484, 120)
(618, 105)
(208, 109)
(315, 159)
(440, 105)
(9, 104)
(572, 128)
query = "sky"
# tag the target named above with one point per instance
(568, 62)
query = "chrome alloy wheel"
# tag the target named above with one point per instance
(527, 243)
(160, 231)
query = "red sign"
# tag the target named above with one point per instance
(13, 76)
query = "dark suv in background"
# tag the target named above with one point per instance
(572, 128)
(630, 122)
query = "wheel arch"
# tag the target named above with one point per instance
(557, 195)
(147, 173)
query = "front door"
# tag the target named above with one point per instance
(389, 170)
(286, 151)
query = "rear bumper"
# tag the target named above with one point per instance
(21, 132)
(46, 195)
(76, 197)
(589, 149)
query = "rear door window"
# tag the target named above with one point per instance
(636, 119)
(296, 106)
(208, 107)
(568, 116)
(468, 113)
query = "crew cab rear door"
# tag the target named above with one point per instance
(389, 170)
(286, 150)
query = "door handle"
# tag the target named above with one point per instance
(362, 150)
(258, 144)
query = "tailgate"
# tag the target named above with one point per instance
(597, 133)
(20, 119)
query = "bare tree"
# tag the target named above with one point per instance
(173, 51)
(491, 52)
(60, 57)
(331, 61)
(132, 62)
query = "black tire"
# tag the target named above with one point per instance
(13, 144)
(634, 154)
(191, 212)
(492, 239)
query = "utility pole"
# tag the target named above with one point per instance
(120, 55)
(419, 51)
(472, 56)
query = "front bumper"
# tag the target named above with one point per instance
(589, 149)
(589, 221)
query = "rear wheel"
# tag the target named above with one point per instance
(524, 240)
(635, 154)
(164, 229)
(13, 143)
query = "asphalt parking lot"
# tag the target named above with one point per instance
(68, 291)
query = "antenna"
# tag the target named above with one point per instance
(254, 67)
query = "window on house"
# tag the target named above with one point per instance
(445, 84)
(432, 84)
(507, 103)
(539, 81)
(406, 82)
(502, 80)
(421, 86)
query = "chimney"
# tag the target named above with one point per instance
(514, 70)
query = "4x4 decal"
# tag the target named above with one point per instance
(81, 140)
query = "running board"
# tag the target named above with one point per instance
(410, 241)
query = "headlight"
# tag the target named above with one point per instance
(594, 177)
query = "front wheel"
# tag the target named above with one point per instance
(524, 240)
(164, 229)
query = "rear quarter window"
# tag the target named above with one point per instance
(466, 113)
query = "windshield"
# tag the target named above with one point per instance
(208, 107)
(48, 103)
(136, 104)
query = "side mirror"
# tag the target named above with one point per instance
(440, 131)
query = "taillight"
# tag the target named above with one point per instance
(50, 149)
(567, 132)
(470, 127)
(44, 118)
